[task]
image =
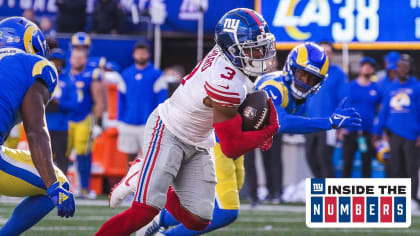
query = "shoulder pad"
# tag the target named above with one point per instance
(45, 70)
(226, 85)
(278, 92)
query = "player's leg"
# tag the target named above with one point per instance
(59, 147)
(367, 156)
(227, 197)
(326, 152)
(251, 177)
(192, 201)
(312, 156)
(158, 168)
(349, 149)
(19, 178)
(411, 166)
(70, 138)
(83, 143)
(128, 184)
(13, 140)
(396, 155)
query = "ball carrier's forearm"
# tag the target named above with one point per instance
(234, 142)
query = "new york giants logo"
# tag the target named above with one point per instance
(231, 25)
(317, 186)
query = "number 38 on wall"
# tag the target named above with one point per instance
(364, 24)
(357, 19)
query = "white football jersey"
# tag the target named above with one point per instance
(185, 114)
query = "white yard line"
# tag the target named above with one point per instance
(64, 228)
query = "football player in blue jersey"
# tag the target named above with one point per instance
(28, 80)
(82, 40)
(305, 70)
(84, 123)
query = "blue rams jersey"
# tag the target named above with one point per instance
(145, 89)
(18, 71)
(66, 95)
(289, 110)
(365, 99)
(278, 90)
(400, 109)
(84, 96)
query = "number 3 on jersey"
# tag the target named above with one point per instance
(229, 74)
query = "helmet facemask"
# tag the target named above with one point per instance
(300, 89)
(256, 57)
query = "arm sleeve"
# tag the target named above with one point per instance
(234, 142)
(295, 124)
(289, 123)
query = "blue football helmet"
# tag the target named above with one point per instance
(20, 33)
(80, 39)
(308, 57)
(245, 40)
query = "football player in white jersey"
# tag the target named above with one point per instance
(179, 134)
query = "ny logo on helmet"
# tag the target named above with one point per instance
(231, 25)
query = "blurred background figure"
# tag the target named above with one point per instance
(144, 90)
(30, 15)
(173, 76)
(71, 15)
(108, 17)
(387, 76)
(91, 99)
(320, 145)
(46, 26)
(58, 110)
(399, 118)
(365, 96)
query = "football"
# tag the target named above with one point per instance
(254, 111)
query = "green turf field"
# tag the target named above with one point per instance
(266, 221)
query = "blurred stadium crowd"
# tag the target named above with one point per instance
(97, 116)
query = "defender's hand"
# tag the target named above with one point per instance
(345, 117)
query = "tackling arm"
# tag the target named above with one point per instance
(299, 124)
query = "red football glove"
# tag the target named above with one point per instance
(266, 145)
(234, 142)
(273, 121)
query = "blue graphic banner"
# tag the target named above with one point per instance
(350, 21)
